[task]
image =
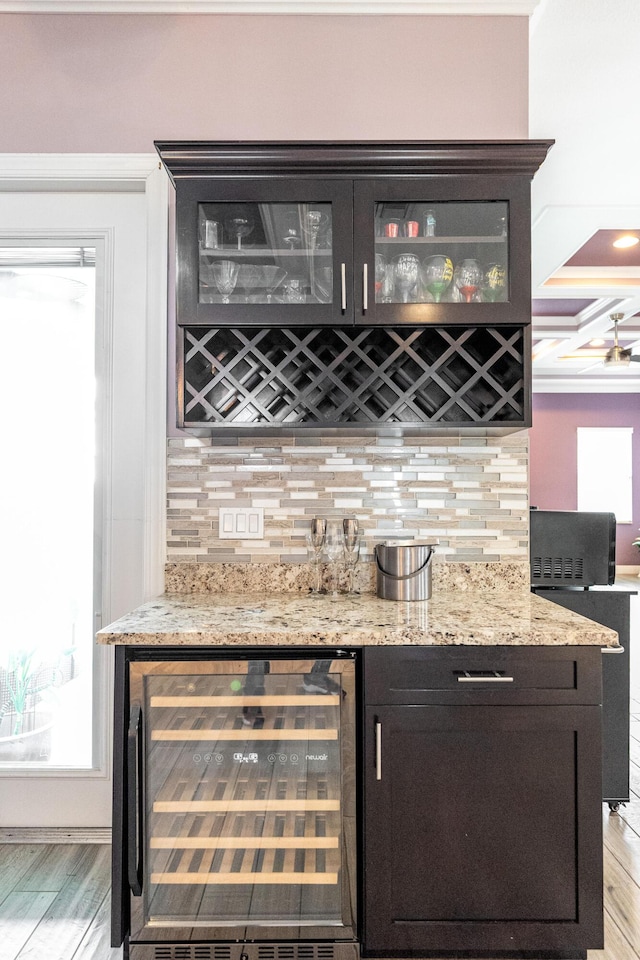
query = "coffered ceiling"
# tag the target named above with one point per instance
(572, 311)
(583, 72)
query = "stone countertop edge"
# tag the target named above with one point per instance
(513, 618)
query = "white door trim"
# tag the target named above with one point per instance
(117, 174)
(140, 173)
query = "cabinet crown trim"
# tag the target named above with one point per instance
(189, 159)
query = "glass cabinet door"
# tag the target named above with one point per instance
(431, 252)
(245, 796)
(262, 252)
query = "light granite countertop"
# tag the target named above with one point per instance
(450, 617)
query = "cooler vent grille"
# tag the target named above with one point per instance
(557, 568)
(192, 951)
(275, 951)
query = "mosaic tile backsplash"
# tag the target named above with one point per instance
(468, 494)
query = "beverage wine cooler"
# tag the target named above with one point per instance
(239, 830)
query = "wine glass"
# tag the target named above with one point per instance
(312, 222)
(322, 284)
(249, 278)
(388, 283)
(273, 277)
(380, 269)
(494, 282)
(225, 274)
(240, 227)
(352, 544)
(437, 274)
(315, 543)
(334, 550)
(291, 236)
(467, 277)
(406, 272)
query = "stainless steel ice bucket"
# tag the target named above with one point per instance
(403, 570)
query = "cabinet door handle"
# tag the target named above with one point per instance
(365, 287)
(135, 804)
(343, 281)
(378, 751)
(468, 677)
(612, 650)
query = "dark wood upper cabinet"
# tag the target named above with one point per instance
(347, 233)
(416, 255)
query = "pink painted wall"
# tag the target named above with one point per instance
(553, 458)
(114, 83)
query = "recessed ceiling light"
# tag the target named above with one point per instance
(627, 240)
(597, 342)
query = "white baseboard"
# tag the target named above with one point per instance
(57, 835)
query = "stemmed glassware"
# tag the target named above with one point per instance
(437, 274)
(381, 267)
(225, 274)
(467, 277)
(334, 551)
(494, 282)
(240, 227)
(273, 278)
(312, 222)
(406, 272)
(315, 544)
(351, 545)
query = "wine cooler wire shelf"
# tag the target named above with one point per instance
(342, 375)
(284, 829)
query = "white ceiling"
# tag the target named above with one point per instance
(584, 71)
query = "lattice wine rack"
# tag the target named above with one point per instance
(354, 376)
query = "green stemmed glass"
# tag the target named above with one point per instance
(437, 274)
(494, 282)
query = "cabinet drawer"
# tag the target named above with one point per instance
(464, 674)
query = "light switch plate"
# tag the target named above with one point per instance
(241, 523)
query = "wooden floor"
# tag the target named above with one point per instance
(54, 898)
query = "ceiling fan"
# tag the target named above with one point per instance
(616, 356)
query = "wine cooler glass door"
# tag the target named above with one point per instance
(247, 806)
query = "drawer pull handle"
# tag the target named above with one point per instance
(378, 751)
(612, 650)
(495, 677)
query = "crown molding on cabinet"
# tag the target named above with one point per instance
(294, 7)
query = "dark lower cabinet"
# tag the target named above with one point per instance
(612, 608)
(482, 820)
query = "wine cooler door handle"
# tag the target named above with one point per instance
(365, 287)
(378, 750)
(135, 805)
(343, 287)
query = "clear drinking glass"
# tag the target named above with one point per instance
(406, 271)
(334, 550)
(225, 274)
(315, 544)
(352, 544)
